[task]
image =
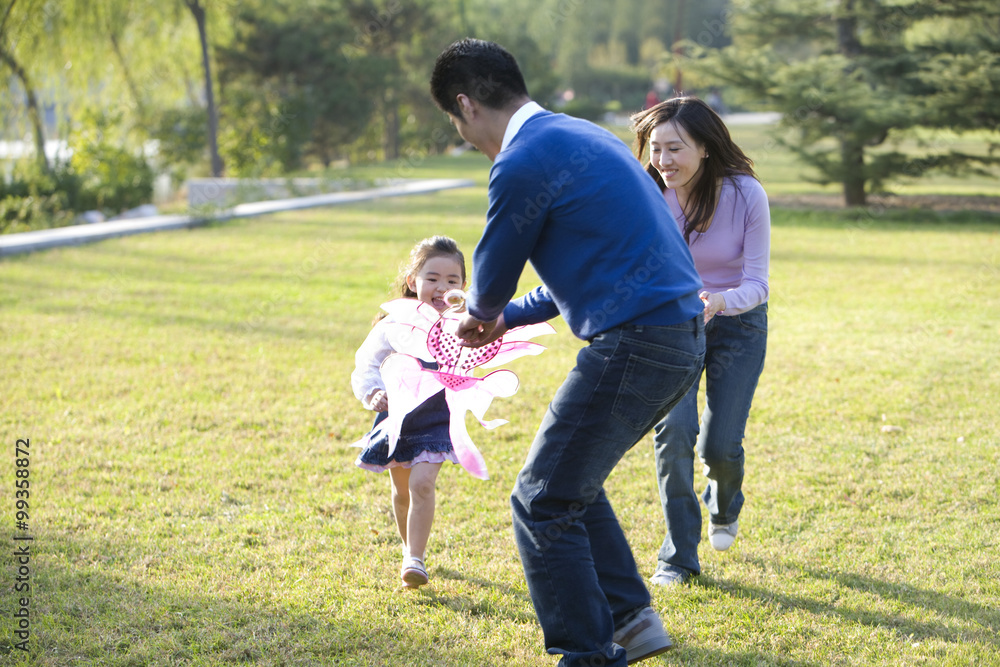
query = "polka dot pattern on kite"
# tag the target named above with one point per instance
(447, 349)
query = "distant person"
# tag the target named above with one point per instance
(436, 266)
(722, 210)
(570, 197)
(715, 101)
(652, 99)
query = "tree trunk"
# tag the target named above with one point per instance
(463, 18)
(632, 48)
(852, 156)
(852, 152)
(213, 114)
(675, 47)
(34, 113)
(391, 117)
(847, 31)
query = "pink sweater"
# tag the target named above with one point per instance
(734, 255)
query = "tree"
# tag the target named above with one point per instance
(198, 11)
(291, 90)
(63, 54)
(518, 26)
(116, 49)
(863, 73)
(20, 31)
(399, 41)
(60, 50)
(606, 52)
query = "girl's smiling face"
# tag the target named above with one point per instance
(676, 156)
(435, 277)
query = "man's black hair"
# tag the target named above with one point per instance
(484, 71)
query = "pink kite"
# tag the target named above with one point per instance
(418, 332)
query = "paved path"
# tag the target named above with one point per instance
(739, 118)
(13, 244)
(751, 118)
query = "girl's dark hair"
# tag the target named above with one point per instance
(435, 246)
(485, 71)
(706, 127)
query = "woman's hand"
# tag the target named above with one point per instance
(714, 302)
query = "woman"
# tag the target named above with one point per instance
(722, 210)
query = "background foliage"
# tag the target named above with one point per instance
(300, 86)
(857, 77)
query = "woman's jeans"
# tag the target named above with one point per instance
(580, 570)
(734, 359)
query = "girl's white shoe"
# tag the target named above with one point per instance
(413, 572)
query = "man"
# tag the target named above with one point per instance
(571, 198)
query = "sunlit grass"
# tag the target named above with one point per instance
(782, 174)
(194, 498)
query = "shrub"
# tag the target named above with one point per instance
(180, 135)
(112, 179)
(98, 176)
(36, 199)
(584, 108)
(626, 85)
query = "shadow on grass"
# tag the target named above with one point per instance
(983, 621)
(485, 606)
(686, 654)
(86, 610)
(250, 328)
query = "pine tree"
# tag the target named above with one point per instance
(863, 71)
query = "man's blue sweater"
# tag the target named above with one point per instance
(570, 197)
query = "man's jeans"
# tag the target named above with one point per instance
(580, 570)
(734, 359)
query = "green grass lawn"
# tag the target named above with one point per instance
(194, 498)
(783, 174)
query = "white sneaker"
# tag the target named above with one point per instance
(670, 576)
(643, 636)
(413, 573)
(722, 536)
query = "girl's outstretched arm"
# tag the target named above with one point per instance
(366, 379)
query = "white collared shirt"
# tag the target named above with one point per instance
(517, 120)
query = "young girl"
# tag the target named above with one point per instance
(436, 266)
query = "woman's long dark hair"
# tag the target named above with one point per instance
(706, 127)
